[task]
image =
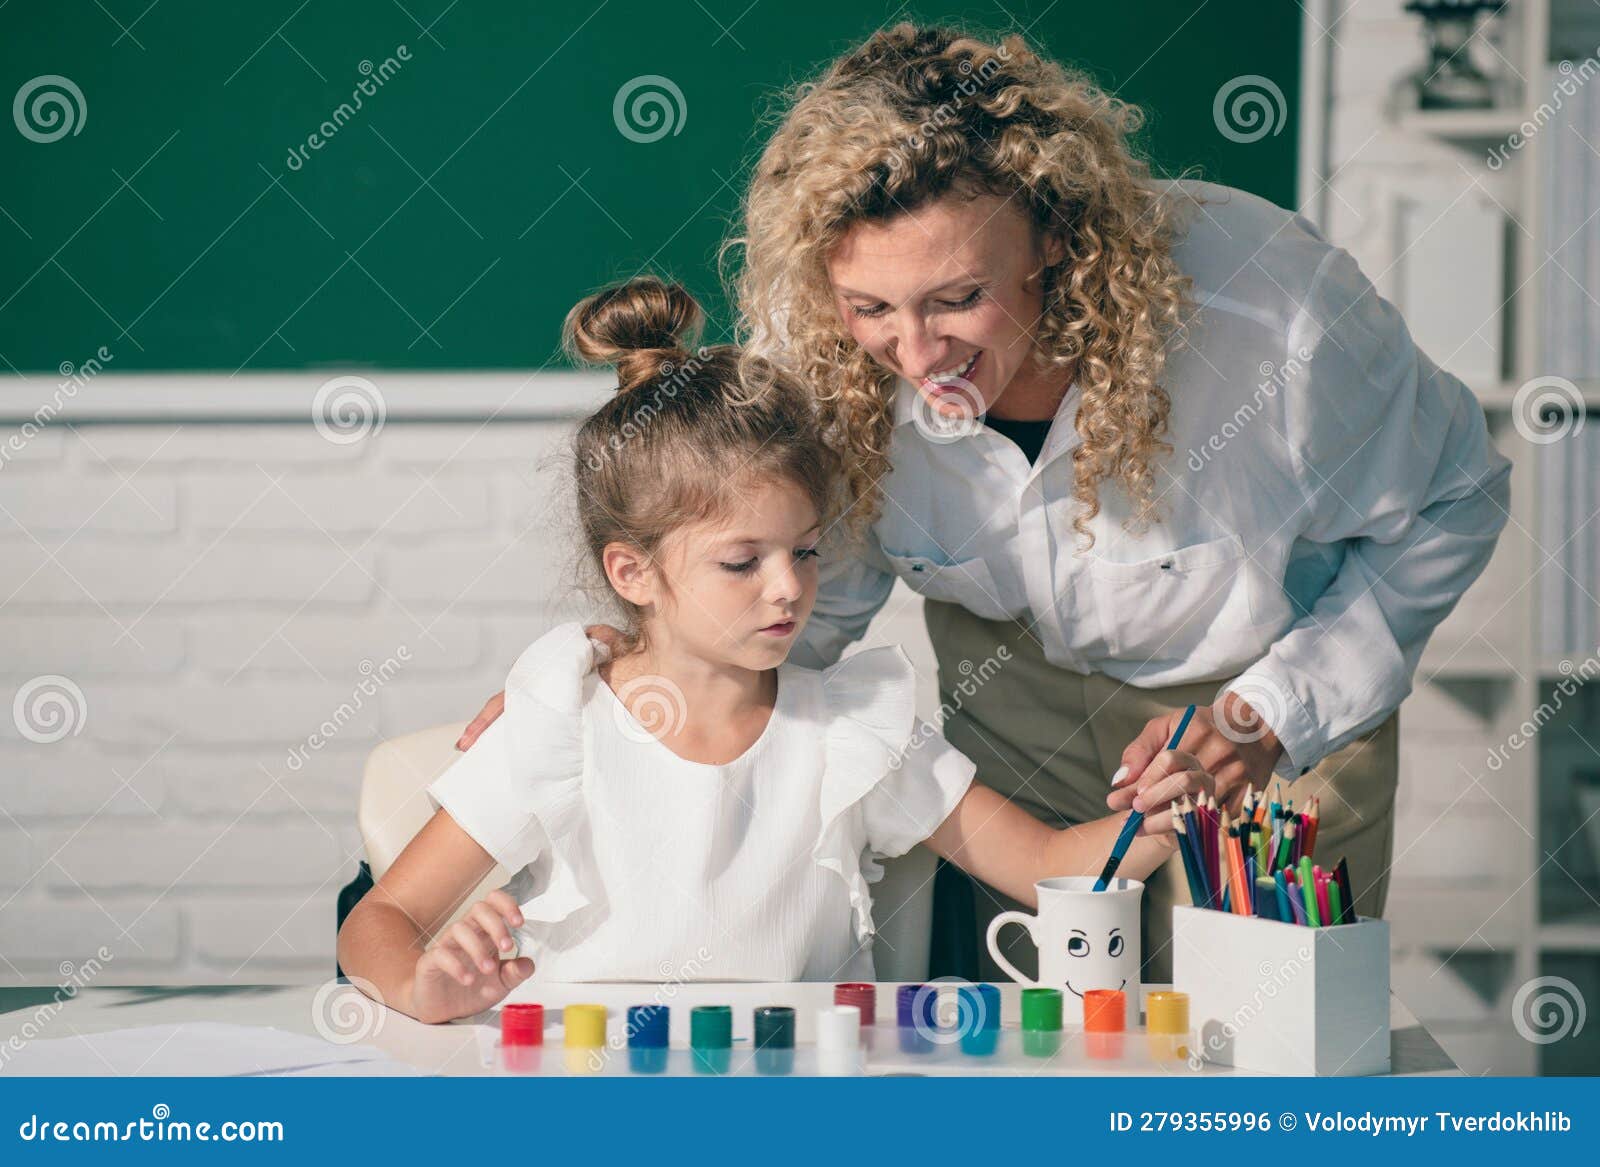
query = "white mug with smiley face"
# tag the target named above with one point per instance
(1087, 939)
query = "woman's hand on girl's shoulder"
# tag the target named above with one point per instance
(1170, 775)
(492, 708)
(464, 970)
(611, 637)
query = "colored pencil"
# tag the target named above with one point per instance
(1308, 890)
(1324, 909)
(1336, 901)
(1241, 899)
(1297, 903)
(1190, 864)
(1342, 873)
(1266, 897)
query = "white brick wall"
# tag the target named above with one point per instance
(212, 590)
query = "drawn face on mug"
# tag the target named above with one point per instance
(1086, 939)
(1098, 958)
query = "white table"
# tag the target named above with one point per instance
(339, 1010)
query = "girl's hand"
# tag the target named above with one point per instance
(463, 972)
(496, 705)
(1170, 775)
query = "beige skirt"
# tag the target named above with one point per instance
(1050, 740)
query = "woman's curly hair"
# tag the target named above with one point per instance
(917, 112)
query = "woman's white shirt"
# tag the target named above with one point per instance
(631, 863)
(1330, 495)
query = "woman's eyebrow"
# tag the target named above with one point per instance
(964, 279)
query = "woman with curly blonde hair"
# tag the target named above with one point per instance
(1139, 444)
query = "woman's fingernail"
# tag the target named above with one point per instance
(505, 946)
(1122, 772)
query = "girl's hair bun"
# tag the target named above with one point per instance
(634, 326)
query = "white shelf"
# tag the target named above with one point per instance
(1571, 933)
(1551, 670)
(1463, 125)
(1500, 397)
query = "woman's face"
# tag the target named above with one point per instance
(948, 296)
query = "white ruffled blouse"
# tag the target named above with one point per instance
(631, 863)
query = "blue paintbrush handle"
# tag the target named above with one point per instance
(1130, 827)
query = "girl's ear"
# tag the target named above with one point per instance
(630, 573)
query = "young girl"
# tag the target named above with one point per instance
(692, 807)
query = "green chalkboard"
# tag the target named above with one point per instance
(188, 219)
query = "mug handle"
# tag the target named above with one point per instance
(1000, 922)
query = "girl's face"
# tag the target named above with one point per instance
(734, 590)
(947, 296)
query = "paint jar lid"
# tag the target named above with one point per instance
(838, 1028)
(522, 1024)
(774, 1027)
(585, 1025)
(917, 1006)
(978, 1008)
(1166, 1011)
(862, 995)
(1105, 1011)
(1041, 1009)
(711, 1027)
(647, 1026)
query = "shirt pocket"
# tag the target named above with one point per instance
(968, 583)
(1192, 603)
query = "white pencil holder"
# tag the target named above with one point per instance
(1284, 998)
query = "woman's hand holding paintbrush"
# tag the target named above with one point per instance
(1169, 776)
(1135, 824)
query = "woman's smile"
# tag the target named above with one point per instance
(958, 373)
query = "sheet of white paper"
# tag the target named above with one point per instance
(207, 1049)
